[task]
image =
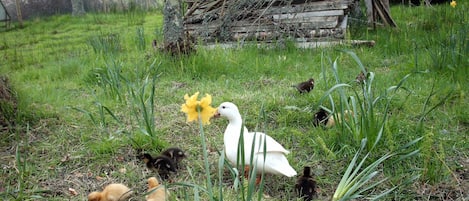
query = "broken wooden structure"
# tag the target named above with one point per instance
(303, 21)
(378, 11)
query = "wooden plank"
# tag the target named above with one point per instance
(310, 6)
(269, 34)
(310, 20)
(308, 14)
(247, 27)
(299, 44)
(343, 23)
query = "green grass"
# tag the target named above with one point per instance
(92, 90)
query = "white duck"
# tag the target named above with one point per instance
(274, 162)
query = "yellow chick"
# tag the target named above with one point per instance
(157, 193)
(112, 192)
(331, 121)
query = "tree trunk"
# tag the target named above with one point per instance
(78, 8)
(18, 13)
(173, 30)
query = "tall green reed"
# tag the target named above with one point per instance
(143, 96)
(140, 38)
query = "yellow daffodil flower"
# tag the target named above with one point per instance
(453, 4)
(192, 107)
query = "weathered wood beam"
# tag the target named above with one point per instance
(308, 14)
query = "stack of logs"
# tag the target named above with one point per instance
(266, 20)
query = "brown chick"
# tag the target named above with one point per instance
(361, 77)
(305, 185)
(112, 192)
(176, 154)
(306, 86)
(157, 193)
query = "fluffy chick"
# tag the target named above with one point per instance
(112, 192)
(306, 86)
(176, 154)
(305, 185)
(331, 121)
(157, 193)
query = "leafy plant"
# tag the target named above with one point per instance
(359, 120)
(357, 180)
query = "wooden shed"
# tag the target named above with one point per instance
(308, 22)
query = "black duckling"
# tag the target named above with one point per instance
(164, 165)
(176, 154)
(321, 117)
(306, 86)
(305, 185)
(161, 164)
(147, 159)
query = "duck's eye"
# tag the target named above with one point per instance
(224, 107)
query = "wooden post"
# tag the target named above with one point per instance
(369, 12)
(18, 13)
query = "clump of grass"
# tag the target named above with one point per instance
(104, 44)
(110, 79)
(140, 95)
(433, 170)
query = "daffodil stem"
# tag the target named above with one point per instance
(204, 151)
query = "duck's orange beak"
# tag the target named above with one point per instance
(217, 114)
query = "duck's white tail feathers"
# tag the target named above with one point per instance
(276, 163)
